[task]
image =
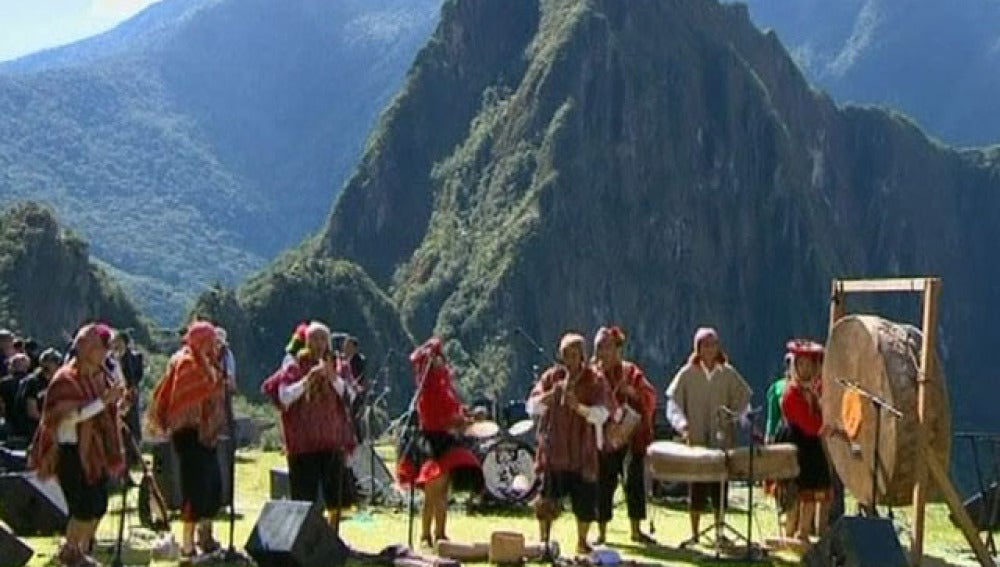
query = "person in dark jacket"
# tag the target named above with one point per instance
(31, 393)
(132, 366)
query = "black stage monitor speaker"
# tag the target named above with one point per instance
(294, 534)
(854, 541)
(167, 470)
(13, 552)
(31, 506)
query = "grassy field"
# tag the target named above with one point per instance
(372, 531)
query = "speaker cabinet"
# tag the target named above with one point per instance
(858, 542)
(294, 534)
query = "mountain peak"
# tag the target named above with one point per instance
(661, 164)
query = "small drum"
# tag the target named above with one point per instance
(509, 470)
(770, 462)
(671, 461)
(622, 427)
(485, 429)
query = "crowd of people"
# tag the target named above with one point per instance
(74, 414)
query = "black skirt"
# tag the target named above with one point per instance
(814, 468)
(85, 501)
(420, 447)
(201, 476)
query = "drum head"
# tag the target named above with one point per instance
(482, 430)
(522, 427)
(509, 471)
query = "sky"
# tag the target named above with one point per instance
(27, 26)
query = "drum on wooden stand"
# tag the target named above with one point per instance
(770, 462)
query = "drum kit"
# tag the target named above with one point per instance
(508, 460)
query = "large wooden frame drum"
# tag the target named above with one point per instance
(923, 452)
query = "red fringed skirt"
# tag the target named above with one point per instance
(433, 454)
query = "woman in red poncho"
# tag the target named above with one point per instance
(189, 405)
(803, 415)
(628, 386)
(78, 441)
(436, 461)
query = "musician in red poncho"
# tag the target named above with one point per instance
(570, 401)
(188, 405)
(79, 441)
(314, 397)
(628, 387)
(803, 416)
(436, 462)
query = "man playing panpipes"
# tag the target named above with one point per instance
(570, 400)
(314, 398)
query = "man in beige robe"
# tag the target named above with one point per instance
(695, 401)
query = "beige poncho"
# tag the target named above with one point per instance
(695, 396)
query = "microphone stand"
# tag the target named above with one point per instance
(126, 482)
(548, 555)
(880, 405)
(232, 555)
(754, 552)
(408, 429)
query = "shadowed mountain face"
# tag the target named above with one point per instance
(936, 61)
(197, 140)
(48, 285)
(558, 164)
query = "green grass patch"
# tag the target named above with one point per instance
(374, 530)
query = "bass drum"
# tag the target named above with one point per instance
(509, 471)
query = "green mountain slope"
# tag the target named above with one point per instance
(48, 285)
(658, 164)
(196, 141)
(262, 315)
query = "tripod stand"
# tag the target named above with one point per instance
(990, 503)
(754, 552)
(231, 554)
(724, 417)
(367, 418)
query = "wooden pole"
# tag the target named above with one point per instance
(932, 289)
(940, 477)
(837, 309)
